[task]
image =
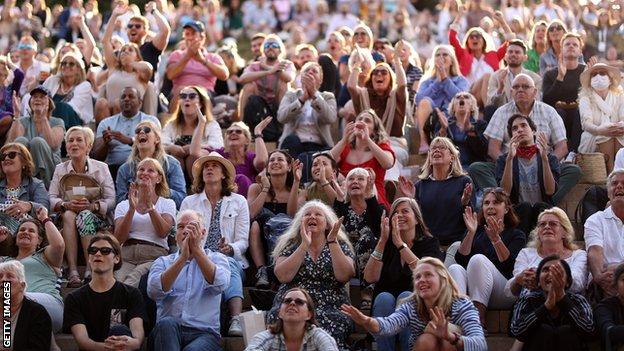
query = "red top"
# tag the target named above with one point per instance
(464, 57)
(380, 173)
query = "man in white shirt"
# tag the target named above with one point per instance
(31, 67)
(604, 236)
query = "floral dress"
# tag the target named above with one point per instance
(363, 238)
(327, 292)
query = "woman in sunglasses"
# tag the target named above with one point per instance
(191, 118)
(148, 144)
(296, 325)
(550, 59)
(486, 256)
(82, 212)
(21, 193)
(143, 221)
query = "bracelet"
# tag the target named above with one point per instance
(377, 255)
(258, 136)
(409, 264)
(265, 190)
(497, 241)
(46, 221)
(457, 337)
(332, 242)
(325, 184)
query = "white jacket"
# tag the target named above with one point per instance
(596, 112)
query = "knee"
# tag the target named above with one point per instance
(426, 342)
(383, 303)
(101, 103)
(69, 218)
(38, 142)
(456, 271)
(478, 261)
(166, 324)
(425, 104)
(573, 171)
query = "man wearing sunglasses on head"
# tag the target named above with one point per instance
(114, 136)
(105, 314)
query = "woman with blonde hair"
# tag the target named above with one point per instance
(601, 106)
(437, 315)
(550, 59)
(553, 235)
(538, 44)
(315, 254)
(148, 144)
(443, 191)
(143, 221)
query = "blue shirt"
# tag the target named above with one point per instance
(441, 92)
(118, 152)
(193, 301)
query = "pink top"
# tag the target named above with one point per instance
(268, 86)
(195, 73)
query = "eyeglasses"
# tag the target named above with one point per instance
(271, 45)
(104, 250)
(357, 34)
(382, 72)
(70, 64)
(555, 28)
(134, 25)
(234, 131)
(462, 96)
(551, 224)
(438, 147)
(10, 154)
(521, 87)
(144, 129)
(190, 96)
(475, 36)
(297, 301)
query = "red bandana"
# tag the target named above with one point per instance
(526, 152)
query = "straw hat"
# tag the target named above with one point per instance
(198, 165)
(613, 73)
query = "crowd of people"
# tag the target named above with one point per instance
(138, 143)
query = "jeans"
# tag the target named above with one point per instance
(170, 335)
(235, 289)
(384, 305)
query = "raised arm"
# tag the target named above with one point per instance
(56, 245)
(89, 40)
(109, 53)
(164, 30)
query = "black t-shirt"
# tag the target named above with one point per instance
(150, 54)
(97, 311)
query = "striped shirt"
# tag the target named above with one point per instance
(315, 339)
(463, 314)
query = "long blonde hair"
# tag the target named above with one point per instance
(432, 70)
(448, 288)
(568, 238)
(455, 169)
(159, 151)
(162, 188)
(292, 235)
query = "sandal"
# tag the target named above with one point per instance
(74, 281)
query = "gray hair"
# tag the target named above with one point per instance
(523, 75)
(200, 219)
(17, 268)
(613, 174)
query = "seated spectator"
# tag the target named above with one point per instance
(247, 163)
(21, 193)
(114, 137)
(33, 328)
(546, 120)
(435, 91)
(268, 199)
(323, 185)
(342, 18)
(226, 216)
(265, 82)
(27, 50)
(138, 28)
(315, 254)
(236, 66)
(143, 221)
(336, 46)
(553, 235)
(126, 68)
(296, 324)
(105, 314)
(443, 191)
(486, 256)
(552, 317)
(608, 313)
(601, 107)
(550, 59)
(362, 218)
(83, 211)
(40, 132)
(389, 267)
(604, 247)
(307, 114)
(538, 45)
(193, 115)
(259, 17)
(42, 263)
(528, 173)
(148, 144)
(187, 287)
(413, 71)
(464, 128)
(194, 66)
(436, 316)
(11, 78)
(365, 144)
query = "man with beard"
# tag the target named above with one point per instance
(265, 83)
(105, 314)
(113, 139)
(499, 86)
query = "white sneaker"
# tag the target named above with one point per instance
(235, 327)
(570, 157)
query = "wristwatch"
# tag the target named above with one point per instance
(62, 207)
(402, 247)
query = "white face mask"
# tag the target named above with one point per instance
(600, 82)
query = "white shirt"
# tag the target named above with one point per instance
(528, 257)
(606, 230)
(234, 220)
(479, 69)
(212, 139)
(142, 227)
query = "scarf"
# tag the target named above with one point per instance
(526, 152)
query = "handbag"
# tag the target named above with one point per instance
(593, 167)
(252, 322)
(75, 186)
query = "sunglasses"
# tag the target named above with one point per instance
(234, 131)
(357, 34)
(144, 129)
(104, 250)
(10, 154)
(70, 64)
(551, 224)
(475, 36)
(190, 96)
(462, 97)
(555, 28)
(271, 45)
(382, 72)
(297, 301)
(134, 25)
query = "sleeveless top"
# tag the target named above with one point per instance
(118, 80)
(40, 276)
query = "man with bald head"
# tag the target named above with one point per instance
(524, 95)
